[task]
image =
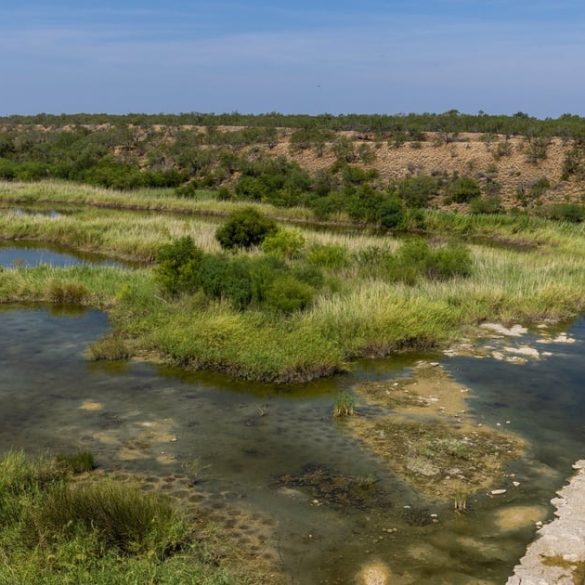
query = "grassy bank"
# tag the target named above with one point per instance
(515, 229)
(164, 200)
(359, 312)
(61, 528)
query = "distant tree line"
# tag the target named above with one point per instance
(567, 125)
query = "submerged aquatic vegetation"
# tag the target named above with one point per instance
(332, 488)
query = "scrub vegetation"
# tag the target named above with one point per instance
(375, 170)
(237, 275)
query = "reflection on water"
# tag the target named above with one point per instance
(28, 254)
(245, 438)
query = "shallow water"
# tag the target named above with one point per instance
(29, 254)
(243, 437)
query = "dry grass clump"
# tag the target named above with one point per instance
(110, 348)
(67, 293)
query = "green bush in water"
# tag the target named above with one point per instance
(244, 281)
(229, 278)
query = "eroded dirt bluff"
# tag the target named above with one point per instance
(515, 172)
(508, 166)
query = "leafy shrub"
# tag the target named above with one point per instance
(539, 188)
(244, 281)
(7, 169)
(503, 149)
(251, 188)
(373, 260)
(245, 228)
(391, 214)
(486, 205)
(417, 191)
(365, 204)
(415, 219)
(357, 176)
(463, 190)
(324, 207)
(308, 274)
(188, 190)
(449, 262)
(224, 194)
(344, 150)
(531, 194)
(284, 244)
(308, 137)
(288, 294)
(228, 278)
(572, 165)
(178, 263)
(328, 256)
(570, 212)
(537, 150)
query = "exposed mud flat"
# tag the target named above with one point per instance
(558, 555)
(423, 430)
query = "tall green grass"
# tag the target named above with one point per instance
(66, 193)
(55, 530)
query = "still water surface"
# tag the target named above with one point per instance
(244, 437)
(22, 254)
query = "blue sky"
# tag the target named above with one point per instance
(500, 56)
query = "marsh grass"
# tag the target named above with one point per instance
(67, 193)
(360, 312)
(120, 517)
(55, 530)
(64, 293)
(110, 348)
(344, 405)
(78, 462)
